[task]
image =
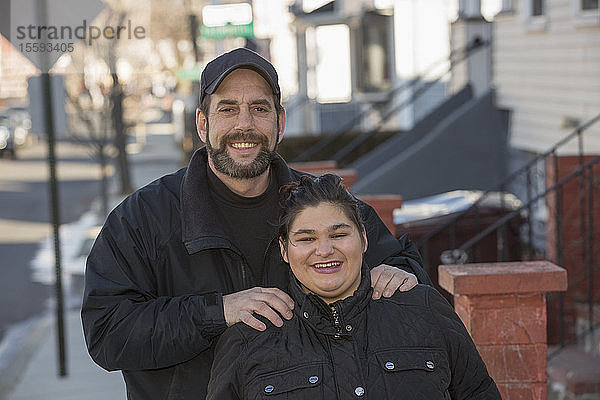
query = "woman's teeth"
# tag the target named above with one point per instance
(328, 265)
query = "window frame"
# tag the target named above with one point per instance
(583, 17)
(535, 23)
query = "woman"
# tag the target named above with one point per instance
(340, 344)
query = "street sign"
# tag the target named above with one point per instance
(189, 74)
(225, 31)
(227, 20)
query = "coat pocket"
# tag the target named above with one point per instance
(299, 382)
(419, 373)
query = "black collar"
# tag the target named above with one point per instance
(201, 228)
(318, 314)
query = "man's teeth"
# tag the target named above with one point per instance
(243, 145)
(328, 265)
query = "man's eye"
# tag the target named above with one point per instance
(260, 109)
(226, 109)
(339, 235)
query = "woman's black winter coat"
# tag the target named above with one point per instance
(411, 346)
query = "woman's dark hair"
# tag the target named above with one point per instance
(310, 192)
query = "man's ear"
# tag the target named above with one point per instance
(365, 241)
(281, 127)
(201, 124)
(283, 250)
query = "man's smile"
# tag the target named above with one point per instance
(243, 145)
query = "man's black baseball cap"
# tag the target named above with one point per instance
(216, 70)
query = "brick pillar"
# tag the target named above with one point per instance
(503, 306)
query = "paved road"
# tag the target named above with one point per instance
(25, 220)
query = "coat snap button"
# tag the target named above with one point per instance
(313, 379)
(359, 391)
(348, 328)
(269, 388)
(305, 315)
(389, 365)
(430, 364)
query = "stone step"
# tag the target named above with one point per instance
(573, 374)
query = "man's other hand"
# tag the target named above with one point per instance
(386, 279)
(268, 302)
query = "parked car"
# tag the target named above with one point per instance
(7, 144)
(14, 131)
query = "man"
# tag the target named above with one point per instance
(196, 251)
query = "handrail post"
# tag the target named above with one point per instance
(590, 243)
(529, 214)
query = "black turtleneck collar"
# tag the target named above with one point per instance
(201, 228)
(223, 194)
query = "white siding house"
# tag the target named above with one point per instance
(546, 69)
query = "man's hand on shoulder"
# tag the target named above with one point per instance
(268, 302)
(386, 279)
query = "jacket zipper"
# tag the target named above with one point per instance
(244, 267)
(336, 322)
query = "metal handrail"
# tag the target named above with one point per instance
(509, 179)
(455, 57)
(502, 221)
(350, 147)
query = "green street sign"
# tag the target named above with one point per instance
(226, 31)
(189, 74)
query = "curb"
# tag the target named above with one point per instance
(18, 347)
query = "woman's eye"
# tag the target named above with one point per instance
(305, 239)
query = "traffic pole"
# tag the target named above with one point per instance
(54, 199)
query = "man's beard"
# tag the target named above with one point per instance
(226, 165)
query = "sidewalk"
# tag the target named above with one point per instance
(34, 366)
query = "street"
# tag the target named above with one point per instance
(25, 219)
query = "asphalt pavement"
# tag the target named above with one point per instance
(28, 351)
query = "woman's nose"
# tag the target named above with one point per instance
(324, 248)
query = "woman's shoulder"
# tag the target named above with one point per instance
(417, 296)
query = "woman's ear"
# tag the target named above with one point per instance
(365, 241)
(282, 248)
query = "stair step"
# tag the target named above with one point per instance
(574, 374)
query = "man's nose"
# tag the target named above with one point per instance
(245, 120)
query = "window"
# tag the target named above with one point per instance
(374, 62)
(328, 58)
(586, 12)
(537, 8)
(535, 15)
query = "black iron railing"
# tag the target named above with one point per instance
(567, 231)
(417, 86)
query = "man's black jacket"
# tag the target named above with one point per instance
(156, 274)
(408, 347)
